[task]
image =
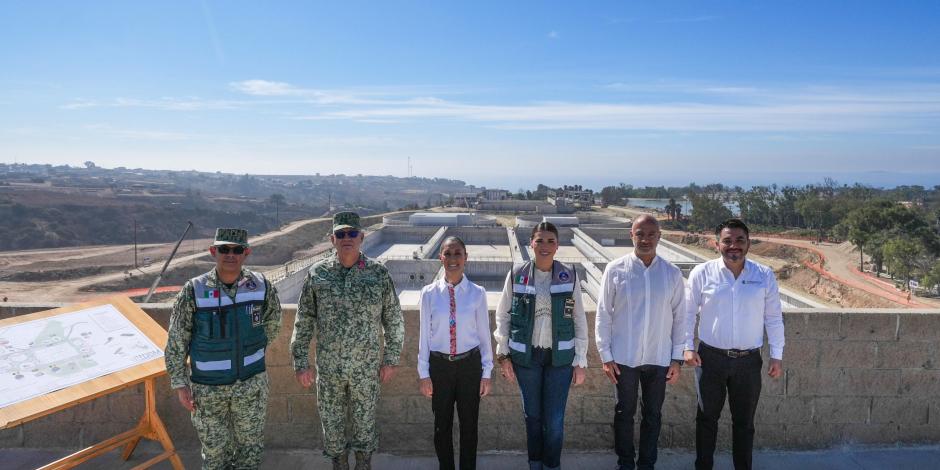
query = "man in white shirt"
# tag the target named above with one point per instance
(735, 300)
(641, 337)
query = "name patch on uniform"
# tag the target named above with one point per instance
(569, 308)
(751, 283)
(563, 276)
(256, 316)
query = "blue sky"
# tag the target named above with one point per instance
(502, 94)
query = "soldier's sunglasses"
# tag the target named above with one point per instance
(350, 233)
(225, 249)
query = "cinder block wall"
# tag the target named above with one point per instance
(852, 377)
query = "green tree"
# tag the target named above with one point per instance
(708, 211)
(900, 255)
(931, 279)
(862, 224)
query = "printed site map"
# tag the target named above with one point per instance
(42, 356)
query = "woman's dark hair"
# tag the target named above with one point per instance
(453, 239)
(544, 227)
(732, 223)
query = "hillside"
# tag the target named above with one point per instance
(42, 206)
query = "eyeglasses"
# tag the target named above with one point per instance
(349, 233)
(225, 249)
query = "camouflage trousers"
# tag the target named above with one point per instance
(229, 420)
(341, 396)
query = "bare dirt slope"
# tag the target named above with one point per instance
(76, 274)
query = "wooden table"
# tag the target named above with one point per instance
(149, 427)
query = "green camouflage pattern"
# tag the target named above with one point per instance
(229, 420)
(346, 310)
(359, 395)
(343, 220)
(231, 236)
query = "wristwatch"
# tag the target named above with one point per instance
(501, 357)
(678, 362)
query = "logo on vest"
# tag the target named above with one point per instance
(569, 307)
(563, 276)
(256, 316)
(250, 284)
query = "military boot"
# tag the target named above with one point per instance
(341, 462)
(363, 460)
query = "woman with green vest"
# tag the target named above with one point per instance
(541, 340)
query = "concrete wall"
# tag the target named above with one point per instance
(431, 249)
(588, 246)
(480, 236)
(621, 236)
(851, 377)
(289, 288)
(514, 205)
(402, 271)
(398, 234)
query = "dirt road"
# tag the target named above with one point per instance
(120, 257)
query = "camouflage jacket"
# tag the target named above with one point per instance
(343, 309)
(181, 324)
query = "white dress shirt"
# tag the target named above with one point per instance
(544, 325)
(473, 323)
(734, 312)
(641, 312)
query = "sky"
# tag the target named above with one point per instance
(498, 94)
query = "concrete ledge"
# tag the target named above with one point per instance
(851, 377)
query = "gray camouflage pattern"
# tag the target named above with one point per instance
(346, 310)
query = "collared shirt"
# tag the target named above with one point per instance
(473, 323)
(734, 312)
(580, 324)
(641, 312)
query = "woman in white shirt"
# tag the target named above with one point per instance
(541, 338)
(455, 355)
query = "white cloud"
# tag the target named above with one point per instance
(166, 104)
(266, 88)
(137, 134)
(768, 111)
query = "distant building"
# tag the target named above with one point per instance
(466, 199)
(495, 194)
(449, 219)
(515, 205)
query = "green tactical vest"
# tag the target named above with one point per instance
(228, 340)
(522, 314)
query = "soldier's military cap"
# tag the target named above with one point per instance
(231, 236)
(347, 219)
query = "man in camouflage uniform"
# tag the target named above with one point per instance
(344, 302)
(223, 321)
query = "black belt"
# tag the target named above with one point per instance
(454, 357)
(732, 353)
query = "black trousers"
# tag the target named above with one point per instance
(652, 380)
(739, 379)
(456, 382)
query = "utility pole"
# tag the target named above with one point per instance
(135, 243)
